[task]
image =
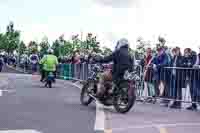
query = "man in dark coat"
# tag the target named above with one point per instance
(189, 61)
(176, 78)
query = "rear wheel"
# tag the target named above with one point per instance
(85, 98)
(124, 99)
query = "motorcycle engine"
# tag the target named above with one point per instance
(108, 87)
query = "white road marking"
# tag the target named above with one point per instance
(9, 91)
(78, 86)
(100, 117)
(3, 85)
(155, 126)
(100, 114)
(20, 131)
(74, 84)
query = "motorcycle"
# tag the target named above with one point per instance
(121, 96)
(49, 80)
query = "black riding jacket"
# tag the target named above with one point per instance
(122, 61)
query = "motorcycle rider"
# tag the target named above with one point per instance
(49, 63)
(122, 61)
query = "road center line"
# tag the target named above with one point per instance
(100, 117)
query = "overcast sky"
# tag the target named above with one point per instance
(177, 20)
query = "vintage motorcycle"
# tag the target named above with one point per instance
(121, 96)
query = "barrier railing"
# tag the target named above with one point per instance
(64, 71)
(173, 84)
(169, 83)
(73, 71)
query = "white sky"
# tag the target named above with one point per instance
(177, 20)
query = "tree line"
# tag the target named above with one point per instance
(11, 42)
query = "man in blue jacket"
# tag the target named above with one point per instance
(159, 62)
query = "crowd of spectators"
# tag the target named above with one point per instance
(174, 71)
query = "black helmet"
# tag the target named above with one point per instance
(122, 43)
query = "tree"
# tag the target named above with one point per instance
(2, 41)
(162, 41)
(44, 46)
(106, 51)
(67, 48)
(131, 51)
(92, 43)
(56, 48)
(22, 48)
(77, 44)
(11, 39)
(33, 47)
(141, 47)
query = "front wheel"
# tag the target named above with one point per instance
(85, 94)
(124, 99)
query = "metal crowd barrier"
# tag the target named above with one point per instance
(168, 83)
(73, 71)
(64, 71)
(172, 84)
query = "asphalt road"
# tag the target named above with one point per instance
(32, 106)
(148, 118)
(29, 105)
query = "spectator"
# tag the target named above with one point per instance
(159, 63)
(1, 62)
(195, 92)
(24, 61)
(77, 66)
(148, 73)
(142, 62)
(14, 60)
(188, 62)
(176, 82)
(76, 58)
(34, 59)
(5, 58)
